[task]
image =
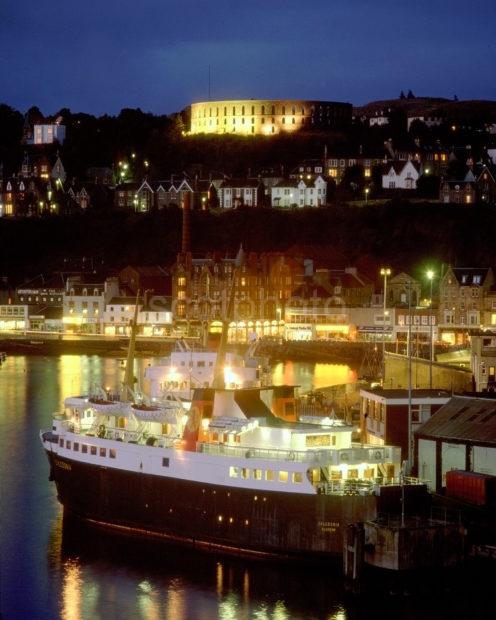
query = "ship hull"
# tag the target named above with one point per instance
(208, 516)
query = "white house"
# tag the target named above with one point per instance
(401, 175)
(429, 121)
(84, 303)
(14, 316)
(152, 320)
(240, 192)
(299, 193)
(48, 133)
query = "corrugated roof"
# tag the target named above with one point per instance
(395, 393)
(463, 418)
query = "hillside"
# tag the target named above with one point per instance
(431, 106)
(404, 235)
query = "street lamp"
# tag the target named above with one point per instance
(367, 190)
(385, 273)
(430, 276)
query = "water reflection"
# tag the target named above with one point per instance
(312, 376)
(104, 576)
(53, 568)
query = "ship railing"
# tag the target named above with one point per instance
(119, 434)
(254, 453)
(346, 487)
(318, 457)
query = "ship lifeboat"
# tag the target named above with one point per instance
(154, 413)
(102, 405)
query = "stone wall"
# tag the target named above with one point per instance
(444, 376)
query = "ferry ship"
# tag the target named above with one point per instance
(229, 475)
(237, 472)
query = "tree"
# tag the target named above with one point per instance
(402, 95)
(410, 95)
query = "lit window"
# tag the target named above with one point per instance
(233, 472)
(297, 477)
(257, 474)
(283, 476)
(269, 475)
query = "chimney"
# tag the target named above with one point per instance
(185, 247)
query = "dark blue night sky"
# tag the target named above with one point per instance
(99, 56)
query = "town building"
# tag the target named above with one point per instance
(462, 295)
(263, 283)
(486, 185)
(267, 116)
(153, 319)
(84, 302)
(14, 317)
(461, 435)
(299, 193)
(457, 192)
(41, 291)
(337, 166)
(403, 290)
(428, 121)
(483, 360)
(234, 193)
(401, 175)
(384, 415)
(47, 133)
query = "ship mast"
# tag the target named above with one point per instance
(128, 382)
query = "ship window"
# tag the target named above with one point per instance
(76, 446)
(283, 476)
(297, 477)
(353, 473)
(112, 453)
(68, 445)
(269, 475)
(233, 472)
(368, 473)
(103, 452)
(257, 474)
(165, 461)
(245, 473)
(93, 450)
(336, 474)
(61, 443)
(84, 448)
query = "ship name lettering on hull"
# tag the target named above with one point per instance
(328, 526)
(62, 465)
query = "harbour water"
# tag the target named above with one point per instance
(53, 568)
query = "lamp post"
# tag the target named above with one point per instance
(366, 190)
(385, 272)
(430, 277)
